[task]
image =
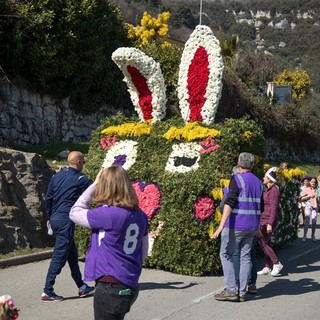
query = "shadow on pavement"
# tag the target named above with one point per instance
(165, 285)
(280, 286)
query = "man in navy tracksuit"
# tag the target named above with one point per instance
(64, 189)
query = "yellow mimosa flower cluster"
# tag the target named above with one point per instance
(224, 183)
(191, 131)
(211, 230)
(218, 215)
(290, 174)
(217, 193)
(246, 136)
(133, 129)
(150, 28)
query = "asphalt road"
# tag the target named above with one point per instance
(163, 295)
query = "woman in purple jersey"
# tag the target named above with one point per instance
(119, 241)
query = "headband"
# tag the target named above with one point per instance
(271, 178)
(269, 175)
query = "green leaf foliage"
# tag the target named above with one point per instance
(169, 58)
(64, 47)
(183, 245)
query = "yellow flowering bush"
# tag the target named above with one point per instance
(298, 79)
(150, 29)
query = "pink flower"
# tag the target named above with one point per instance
(208, 145)
(203, 208)
(108, 141)
(149, 198)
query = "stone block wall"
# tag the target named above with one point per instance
(30, 118)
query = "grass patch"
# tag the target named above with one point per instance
(313, 169)
(22, 252)
(50, 151)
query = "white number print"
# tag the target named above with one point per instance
(130, 242)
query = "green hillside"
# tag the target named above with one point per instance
(287, 29)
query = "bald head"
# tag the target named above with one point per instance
(76, 160)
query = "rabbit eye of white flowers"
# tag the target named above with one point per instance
(184, 157)
(122, 153)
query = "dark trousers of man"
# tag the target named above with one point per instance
(108, 302)
(64, 250)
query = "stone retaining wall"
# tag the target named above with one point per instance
(30, 118)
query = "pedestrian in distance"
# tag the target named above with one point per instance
(64, 189)
(119, 241)
(284, 166)
(309, 197)
(305, 183)
(238, 225)
(269, 223)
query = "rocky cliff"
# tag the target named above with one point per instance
(24, 178)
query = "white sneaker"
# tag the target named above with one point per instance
(264, 271)
(314, 239)
(276, 269)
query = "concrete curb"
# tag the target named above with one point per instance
(26, 258)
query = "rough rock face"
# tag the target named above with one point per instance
(24, 179)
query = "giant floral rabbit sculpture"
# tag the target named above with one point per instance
(178, 165)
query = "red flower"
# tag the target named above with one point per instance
(15, 314)
(203, 208)
(145, 95)
(198, 77)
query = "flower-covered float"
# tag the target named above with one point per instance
(178, 166)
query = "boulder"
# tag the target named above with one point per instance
(24, 178)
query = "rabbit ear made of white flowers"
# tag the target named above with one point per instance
(145, 82)
(200, 77)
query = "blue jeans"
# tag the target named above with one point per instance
(253, 255)
(64, 250)
(232, 241)
(109, 304)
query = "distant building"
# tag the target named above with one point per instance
(279, 94)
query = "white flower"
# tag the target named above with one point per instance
(123, 153)
(184, 157)
(202, 36)
(128, 59)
